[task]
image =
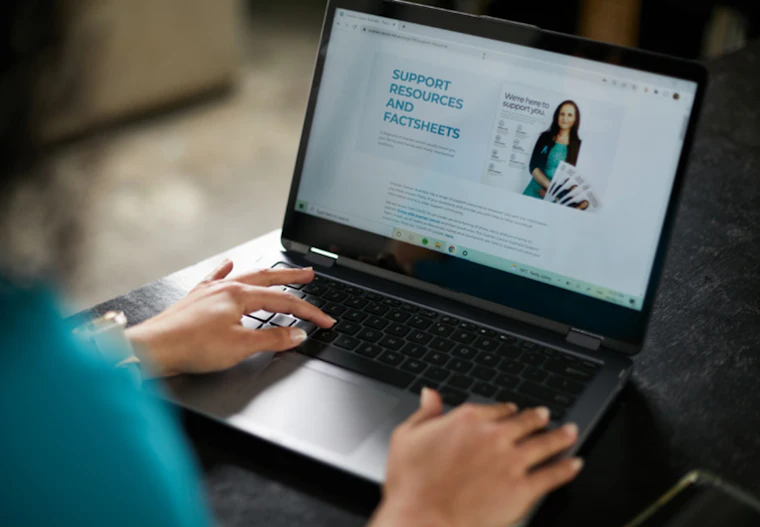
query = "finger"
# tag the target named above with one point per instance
(489, 412)
(221, 271)
(431, 406)
(547, 479)
(527, 422)
(270, 277)
(540, 448)
(255, 298)
(271, 339)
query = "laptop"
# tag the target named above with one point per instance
(486, 206)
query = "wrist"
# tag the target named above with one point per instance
(406, 514)
(147, 349)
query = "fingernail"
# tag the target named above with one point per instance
(543, 412)
(576, 464)
(424, 395)
(512, 406)
(224, 262)
(333, 321)
(570, 429)
(308, 268)
(297, 335)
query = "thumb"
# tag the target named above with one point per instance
(430, 406)
(271, 339)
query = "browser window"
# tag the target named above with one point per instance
(555, 168)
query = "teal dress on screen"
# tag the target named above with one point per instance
(557, 154)
(80, 443)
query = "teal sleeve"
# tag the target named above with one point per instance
(80, 444)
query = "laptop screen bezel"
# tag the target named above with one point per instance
(615, 323)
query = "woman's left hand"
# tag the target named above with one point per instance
(202, 332)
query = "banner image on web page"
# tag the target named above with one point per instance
(428, 116)
(553, 146)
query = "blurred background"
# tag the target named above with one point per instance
(185, 115)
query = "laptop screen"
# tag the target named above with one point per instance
(547, 166)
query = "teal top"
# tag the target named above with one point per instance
(557, 154)
(80, 444)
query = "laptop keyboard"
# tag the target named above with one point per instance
(411, 347)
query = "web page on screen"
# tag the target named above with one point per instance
(552, 167)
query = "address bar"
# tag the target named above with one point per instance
(406, 37)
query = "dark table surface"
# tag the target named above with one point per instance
(693, 402)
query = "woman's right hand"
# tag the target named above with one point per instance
(473, 466)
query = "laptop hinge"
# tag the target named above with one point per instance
(321, 258)
(584, 339)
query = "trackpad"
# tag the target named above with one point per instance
(293, 400)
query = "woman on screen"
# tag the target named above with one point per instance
(559, 143)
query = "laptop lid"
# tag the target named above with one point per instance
(497, 162)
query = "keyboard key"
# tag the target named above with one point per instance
(305, 325)
(335, 296)
(339, 286)
(315, 289)
(349, 328)
(284, 321)
(356, 302)
(356, 363)
(391, 342)
(467, 326)
(488, 359)
(334, 310)
(532, 358)
(510, 339)
(536, 375)
(377, 309)
(451, 321)
(347, 342)
(314, 301)
(376, 322)
(423, 383)
(295, 293)
(429, 314)
(351, 290)
(465, 352)
(326, 335)
(483, 373)
(398, 330)
(485, 332)
(463, 336)
(567, 370)
(442, 344)
(511, 351)
(563, 385)
(262, 315)
(484, 390)
(397, 316)
(551, 353)
(369, 350)
(420, 337)
(391, 357)
(437, 374)
(355, 316)
(441, 330)
(487, 344)
(590, 365)
(528, 345)
(414, 366)
(437, 358)
(414, 350)
(319, 280)
(419, 322)
(461, 382)
(522, 402)
(370, 335)
(451, 396)
(250, 323)
(569, 358)
(546, 395)
(392, 302)
(372, 297)
(510, 366)
(506, 381)
(410, 308)
(459, 365)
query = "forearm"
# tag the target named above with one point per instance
(404, 515)
(541, 178)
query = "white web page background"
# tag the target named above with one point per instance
(613, 248)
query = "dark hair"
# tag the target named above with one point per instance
(575, 141)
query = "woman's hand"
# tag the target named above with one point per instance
(202, 332)
(473, 466)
